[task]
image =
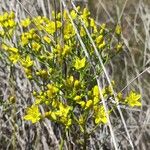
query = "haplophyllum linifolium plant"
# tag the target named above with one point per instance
(57, 64)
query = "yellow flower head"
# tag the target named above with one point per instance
(52, 90)
(26, 22)
(11, 15)
(81, 103)
(119, 46)
(118, 30)
(27, 62)
(133, 99)
(70, 81)
(76, 83)
(69, 31)
(14, 58)
(36, 46)
(88, 104)
(79, 63)
(50, 27)
(66, 50)
(95, 91)
(85, 14)
(100, 115)
(33, 114)
(92, 23)
(77, 98)
(82, 32)
(102, 45)
(73, 14)
(99, 39)
(11, 23)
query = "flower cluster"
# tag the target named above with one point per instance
(50, 54)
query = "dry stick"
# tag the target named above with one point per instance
(121, 14)
(108, 79)
(49, 9)
(97, 78)
(136, 18)
(126, 71)
(135, 78)
(102, 4)
(43, 7)
(144, 14)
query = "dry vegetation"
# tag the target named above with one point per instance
(130, 70)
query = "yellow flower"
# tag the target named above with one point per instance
(77, 98)
(36, 46)
(5, 16)
(37, 101)
(119, 46)
(103, 26)
(5, 24)
(12, 99)
(11, 15)
(88, 104)
(33, 114)
(99, 39)
(81, 120)
(66, 50)
(73, 14)
(65, 15)
(55, 103)
(5, 47)
(47, 39)
(24, 39)
(85, 14)
(52, 90)
(100, 115)
(11, 23)
(118, 30)
(70, 81)
(50, 27)
(28, 72)
(69, 31)
(133, 99)
(26, 22)
(76, 83)
(92, 22)
(27, 62)
(79, 63)
(82, 32)
(42, 73)
(120, 97)
(81, 103)
(36, 37)
(95, 91)
(59, 24)
(10, 49)
(53, 116)
(102, 45)
(13, 49)
(14, 58)
(2, 33)
(63, 110)
(68, 124)
(96, 100)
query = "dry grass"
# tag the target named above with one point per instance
(130, 70)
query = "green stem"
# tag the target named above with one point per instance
(61, 144)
